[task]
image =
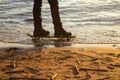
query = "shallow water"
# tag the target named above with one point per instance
(91, 21)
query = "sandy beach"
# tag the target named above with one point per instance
(62, 63)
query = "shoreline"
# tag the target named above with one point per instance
(81, 45)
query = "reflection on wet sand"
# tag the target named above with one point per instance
(53, 44)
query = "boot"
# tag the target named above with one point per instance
(40, 33)
(62, 33)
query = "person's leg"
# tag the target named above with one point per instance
(38, 30)
(59, 31)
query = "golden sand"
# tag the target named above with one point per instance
(60, 64)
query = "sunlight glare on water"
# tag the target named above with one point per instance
(91, 21)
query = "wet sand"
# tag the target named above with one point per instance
(85, 63)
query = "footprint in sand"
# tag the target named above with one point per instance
(32, 70)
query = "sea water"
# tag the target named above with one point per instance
(91, 21)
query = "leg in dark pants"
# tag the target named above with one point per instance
(59, 31)
(38, 30)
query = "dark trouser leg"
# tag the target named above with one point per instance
(37, 14)
(38, 30)
(56, 19)
(55, 13)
